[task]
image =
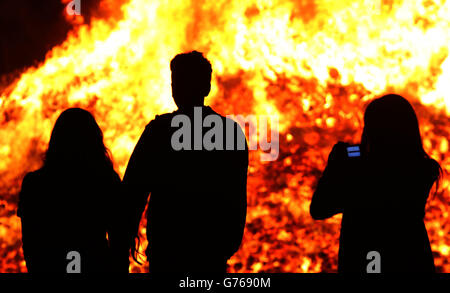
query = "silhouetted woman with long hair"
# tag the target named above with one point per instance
(71, 203)
(382, 193)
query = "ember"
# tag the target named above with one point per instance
(313, 64)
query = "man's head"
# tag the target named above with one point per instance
(191, 79)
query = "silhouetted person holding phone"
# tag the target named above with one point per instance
(381, 187)
(72, 202)
(197, 206)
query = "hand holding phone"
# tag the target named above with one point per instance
(353, 151)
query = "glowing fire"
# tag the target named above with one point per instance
(315, 64)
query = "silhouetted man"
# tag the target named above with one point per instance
(194, 163)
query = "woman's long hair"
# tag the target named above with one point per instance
(391, 131)
(76, 144)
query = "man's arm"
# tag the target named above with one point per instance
(118, 231)
(238, 180)
(328, 198)
(136, 183)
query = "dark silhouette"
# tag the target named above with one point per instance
(29, 30)
(197, 206)
(382, 194)
(71, 203)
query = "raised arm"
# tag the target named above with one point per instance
(118, 231)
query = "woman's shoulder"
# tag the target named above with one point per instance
(431, 169)
(431, 164)
(114, 177)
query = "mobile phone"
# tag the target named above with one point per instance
(353, 151)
